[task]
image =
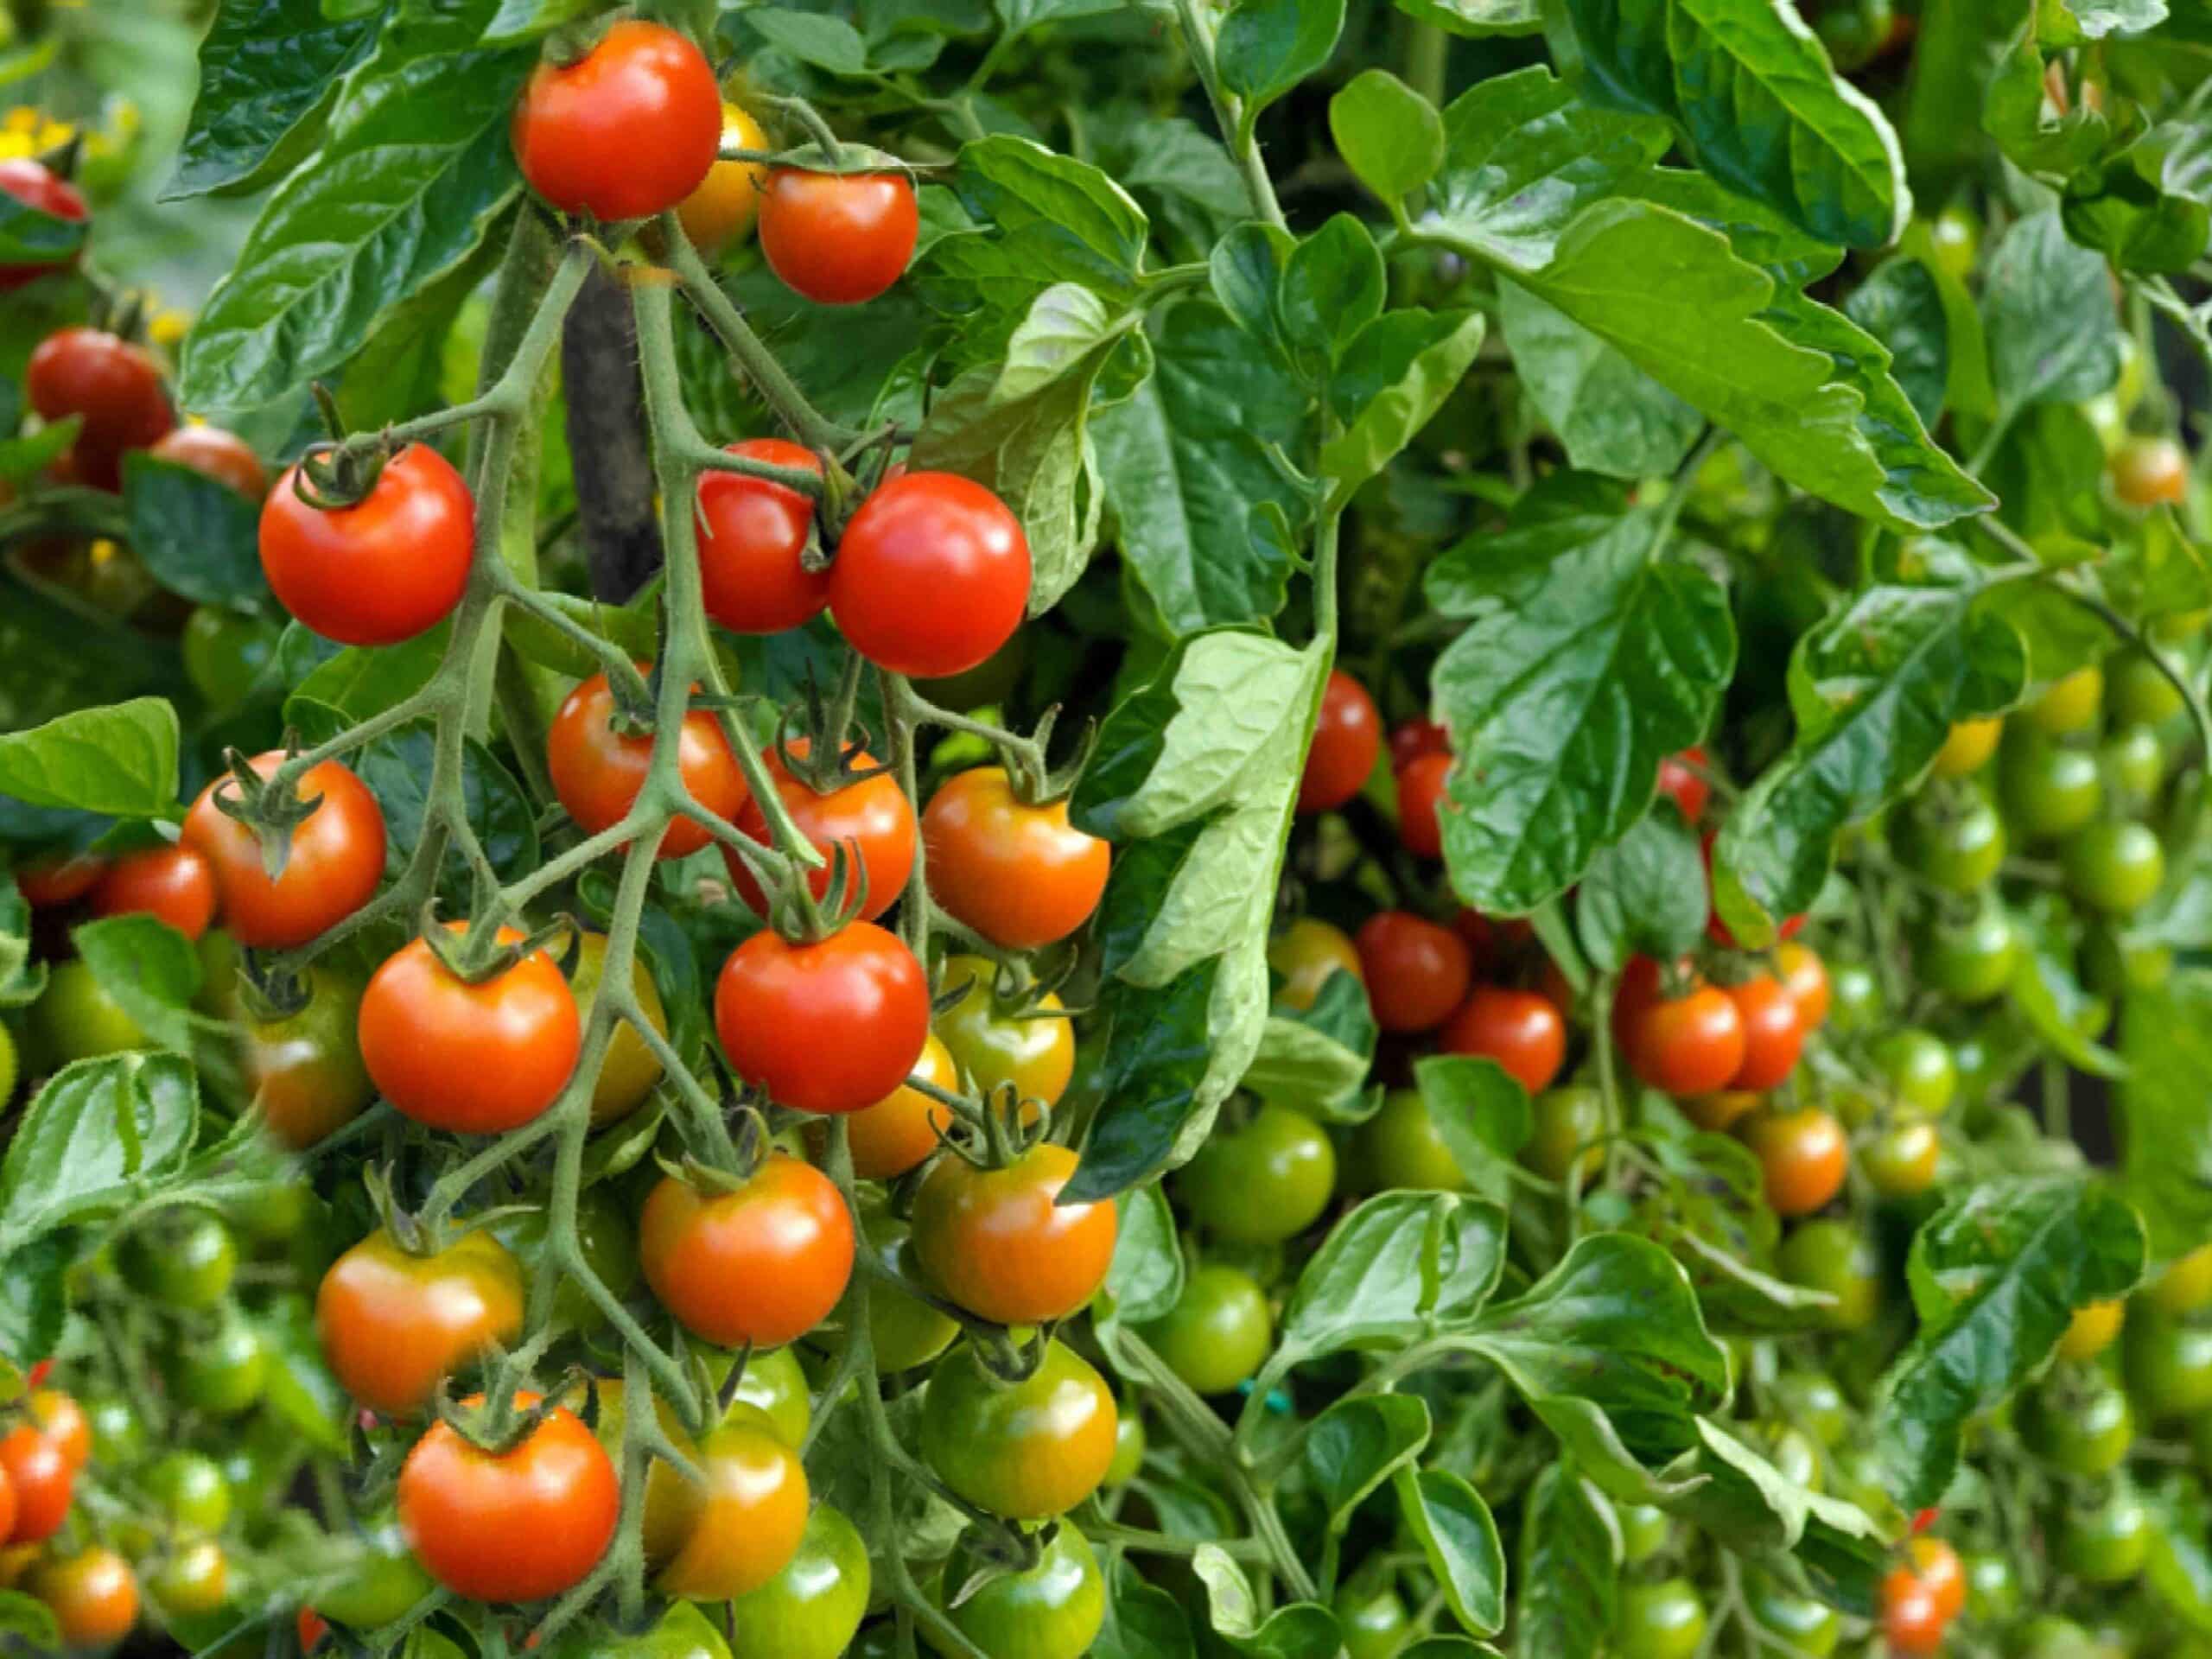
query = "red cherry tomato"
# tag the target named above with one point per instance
(931, 575)
(175, 884)
(1774, 1031)
(1021, 875)
(1412, 739)
(1521, 1030)
(380, 571)
(310, 1627)
(35, 185)
(598, 771)
(838, 238)
(37, 1468)
(332, 868)
(1000, 1242)
(763, 1264)
(1687, 1045)
(832, 1027)
(627, 131)
(1416, 971)
(475, 1059)
(751, 534)
(870, 819)
(1420, 799)
(1804, 1154)
(1682, 777)
(212, 452)
(392, 1326)
(114, 385)
(50, 883)
(1347, 736)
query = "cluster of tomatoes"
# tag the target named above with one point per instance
(45, 1439)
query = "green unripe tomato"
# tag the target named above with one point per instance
(380, 1586)
(1902, 1161)
(1129, 1447)
(1834, 1256)
(2134, 760)
(2069, 703)
(2137, 691)
(2184, 1284)
(905, 1331)
(190, 1491)
(183, 1260)
(1399, 1148)
(775, 1385)
(118, 1433)
(2084, 1431)
(811, 1609)
(222, 1374)
(2114, 865)
(1370, 1617)
(224, 651)
(2168, 1364)
(2114, 966)
(1813, 1403)
(1993, 1589)
(1218, 1333)
(1954, 237)
(75, 1018)
(1918, 1067)
(194, 1580)
(1971, 960)
(1645, 1530)
(1804, 1625)
(1264, 1183)
(1855, 998)
(1568, 1128)
(1052, 1611)
(2048, 789)
(1665, 1620)
(1957, 850)
(2107, 1544)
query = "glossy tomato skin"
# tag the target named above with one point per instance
(598, 771)
(93, 1594)
(904, 1331)
(1021, 875)
(2114, 865)
(1801, 969)
(1681, 777)
(1266, 1182)
(1958, 851)
(995, 1240)
(1972, 960)
(383, 571)
(115, 386)
(394, 1325)
(1416, 971)
(931, 574)
(1412, 739)
(1400, 1148)
(61, 1419)
(50, 883)
(1305, 953)
(1966, 747)
(2107, 1544)
(832, 1027)
(1219, 1332)
(629, 130)
(514, 1526)
(744, 1526)
(36, 1468)
(2090, 1329)
(214, 453)
(1054, 1610)
(77, 1017)
(1804, 1153)
(1521, 1030)
(335, 860)
(183, 1259)
(811, 1609)
(727, 200)
(838, 238)
(305, 1069)
(38, 186)
(1904, 1159)
(1687, 1045)
(1774, 1031)
(1028, 1451)
(2149, 471)
(1347, 737)
(763, 1264)
(194, 1580)
(901, 1130)
(1923, 1077)
(1663, 1619)
(1569, 1129)
(474, 1059)
(628, 1073)
(1422, 799)
(2169, 1366)
(2050, 788)
(752, 532)
(2082, 1432)
(871, 818)
(174, 884)
(1034, 1050)
(1835, 1258)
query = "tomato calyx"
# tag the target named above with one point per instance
(505, 1415)
(473, 951)
(272, 806)
(341, 470)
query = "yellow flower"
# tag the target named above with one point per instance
(169, 328)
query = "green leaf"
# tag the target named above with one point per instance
(1645, 894)
(1875, 689)
(1333, 287)
(1390, 136)
(1185, 462)
(2044, 989)
(361, 680)
(33, 1313)
(416, 167)
(100, 1132)
(1392, 377)
(1267, 46)
(1143, 1620)
(1020, 16)
(1398, 1262)
(198, 536)
(1066, 214)
(261, 109)
(1612, 417)
(397, 768)
(1901, 306)
(24, 458)
(1744, 1502)
(300, 1390)
(1317, 1058)
(2166, 1113)
(815, 38)
(120, 758)
(1586, 660)
(2179, 1568)
(1245, 270)
(397, 373)
(1357, 1445)
(1752, 92)
(149, 968)
(2149, 207)
(1154, 1082)
(1146, 1275)
(1996, 1276)
(1481, 1113)
(524, 20)
(1478, 19)
(31, 236)
(2034, 136)
(1568, 1572)
(2047, 309)
(26, 1617)
(1302, 1630)
(1460, 1540)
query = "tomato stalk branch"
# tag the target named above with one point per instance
(1198, 41)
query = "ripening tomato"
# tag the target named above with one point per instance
(2137, 691)
(599, 769)
(630, 1069)
(743, 1527)
(903, 1331)
(519, 1525)
(1412, 739)
(1923, 1077)
(1000, 1243)
(2108, 1543)
(304, 1069)
(627, 131)
(2069, 703)
(1416, 971)
(901, 1130)
(93, 1596)
(1911, 1622)
(37, 1469)
(1682, 777)
(183, 1259)
(1347, 736)
(1020, 875)
(1521, 1030)
(1687, 1045)
(1958, 849)
(332, 865)
(1305, 953)
(1031, 1049)
(394, 1325)
(762, 1265)
(722, 209)
(1266, 1182)
(1774, 1031)
(212, 452)
(62, 1420)
(2149, 471)
(2090, 1330)
(1804, 1154)
(752, 532)
(1421, 800)
(76, 1017)
(838, 238)
(1029, 1450)
(2185, 1283)
(2081, 1431)
(1903, 1160)
(1971, 959)
(830, 1026)
(2050, 788)
(870, 819)
(812, 1608)
(1052, 1610)
(194, 1581)
(1967, 747)
(382, 570)
(931, 574)
(115, 386)
(475, 1059)
(175, 885)
(50, 883)
(2169, 1366)
(1802, 1625)
(1800, 968)
(38, 187)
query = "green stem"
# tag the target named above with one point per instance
(1197, 39)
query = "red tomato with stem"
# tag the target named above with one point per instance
(1000, 1243)
(332, 868)
(474, 1059)
(752, 532)
(113, 385)
(175, 884)
(212, 452)
(1420, 800)
(831, 1027)
(1020, 875)
(38, 186)
(385, 569)
(1692, 1044)
(1774, 1031)
(1416, 971)
(838, 238)
(763, 1264)
(93, 1596)
(1521, 1030)
(870, 819)
(931, 574)
(50, 883)
(598, 770)
(626, 131)
(1412, 739)
(392, 1326)
(37, 1469)
(1347, 736)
